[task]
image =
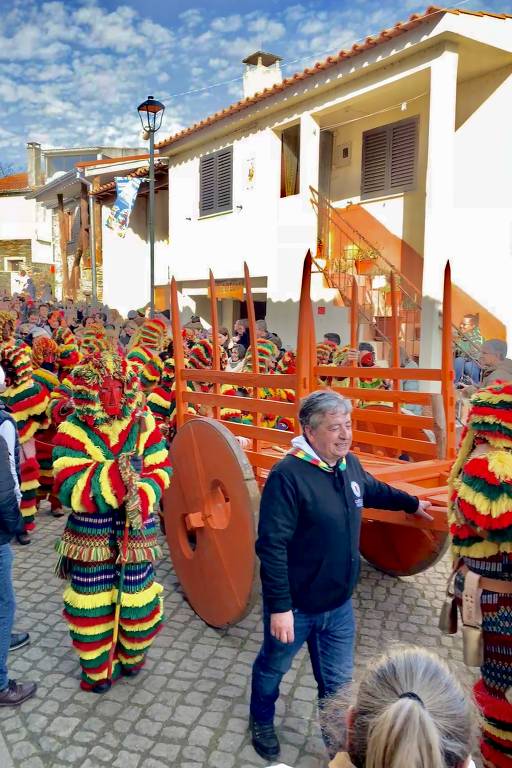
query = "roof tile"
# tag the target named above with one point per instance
(16, 182)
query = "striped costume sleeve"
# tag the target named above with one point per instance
(156, 467)
(85, 478)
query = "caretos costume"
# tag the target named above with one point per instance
(480, 518)
(110, 466)
(27, 401)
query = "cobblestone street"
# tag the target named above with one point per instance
(188, 708)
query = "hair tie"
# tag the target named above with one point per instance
(412, 695)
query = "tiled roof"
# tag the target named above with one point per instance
(17, 182)
(370, 42)
(138, 173)
(111, 160)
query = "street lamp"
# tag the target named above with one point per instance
(151, 113)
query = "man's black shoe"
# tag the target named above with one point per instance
(102, 687)
(19, 640)
(23, 538)
(264, 739)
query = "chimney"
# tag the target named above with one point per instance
(262, 70)
(35, 177)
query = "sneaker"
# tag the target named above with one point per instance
(23, 538)
(16, 693)
(264, 739)
(19, 640)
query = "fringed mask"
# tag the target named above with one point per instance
(105, 388)
(17, 364)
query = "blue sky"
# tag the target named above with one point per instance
(72, 72)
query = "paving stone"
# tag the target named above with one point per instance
(127, 760)
(72, 753)
(137, 742)
(219, 759)
(22, 750)
(186, 715)
(200, 736)
(63, 727)
(101, 753)
(168, 751)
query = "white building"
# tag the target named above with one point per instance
(407, 135)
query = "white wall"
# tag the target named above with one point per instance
(126, 260)
(482, 251)
(17, 218)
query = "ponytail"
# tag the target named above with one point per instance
(410, 712)
(404, 736)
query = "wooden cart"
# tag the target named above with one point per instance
(211, 508)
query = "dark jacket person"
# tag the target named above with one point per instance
(308, 545)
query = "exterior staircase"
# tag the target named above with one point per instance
(345, 253)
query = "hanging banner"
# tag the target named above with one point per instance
(127, 188)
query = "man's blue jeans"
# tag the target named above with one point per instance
(330, 639)
(7, 609)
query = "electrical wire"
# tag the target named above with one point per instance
(315, 56)
(372, 114)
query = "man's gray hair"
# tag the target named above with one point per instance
(315, 406)
(497, 347)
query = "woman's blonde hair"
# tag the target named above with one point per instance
(411, 712)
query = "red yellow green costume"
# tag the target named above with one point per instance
(93, 450)
(45, 353)
(480, 517)
(27, 401)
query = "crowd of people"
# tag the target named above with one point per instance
(87, 413)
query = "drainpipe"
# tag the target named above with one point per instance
(92, 236)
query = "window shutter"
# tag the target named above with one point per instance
(403, 155)
(375, 155)
(216, 182)
(207, 184)
(225, 179)
(389, 158)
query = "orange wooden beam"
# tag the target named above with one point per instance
(179, 355)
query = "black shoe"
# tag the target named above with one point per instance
(127, 672)
(264, 739)
(16, 693)
(23, 538)
(102, 687)
(19, 640)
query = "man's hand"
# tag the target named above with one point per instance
(281, 626)
(421, 512)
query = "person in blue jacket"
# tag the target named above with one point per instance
(308, 546)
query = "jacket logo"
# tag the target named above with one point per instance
(355, 488)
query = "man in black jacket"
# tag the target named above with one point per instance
(12, 693)
(308, 546)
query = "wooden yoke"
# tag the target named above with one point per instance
(253, 336)
(448, 376)
(215, 340)
(354, 321)
(306, 349)
(179, 356)
(395, 339)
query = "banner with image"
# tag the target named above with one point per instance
(127, 188)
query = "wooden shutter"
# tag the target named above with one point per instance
(207, 184)
(216, 182)
(402, 173)
(375, 155)
(389, 158)
(225, 179)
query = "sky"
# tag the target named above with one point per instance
(72, 72)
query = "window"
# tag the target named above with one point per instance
(389, 158)
(216, 182)
(290, 161)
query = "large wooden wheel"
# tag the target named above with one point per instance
(401, 550)
(210, 513)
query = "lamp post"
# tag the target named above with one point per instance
(151, 113)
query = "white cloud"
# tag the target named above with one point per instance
(192, 17)
(227, 23)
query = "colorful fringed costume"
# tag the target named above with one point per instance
(480, 517)
(27, 401)
(144, 353)
(45, 353)
(110, 464)
(68, 354)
